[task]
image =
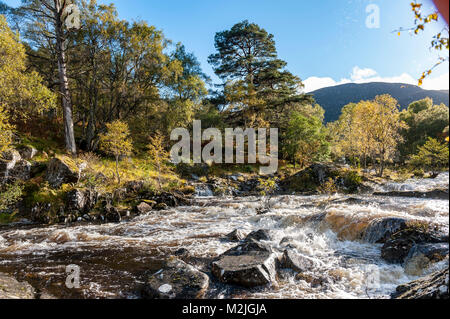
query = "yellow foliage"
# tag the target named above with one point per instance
(21, 92)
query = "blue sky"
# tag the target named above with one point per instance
(325, 42)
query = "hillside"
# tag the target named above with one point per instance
(332, 99)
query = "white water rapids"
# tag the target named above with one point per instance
(114, 257)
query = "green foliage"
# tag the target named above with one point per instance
(5, 130)
(433, 156)
(257, 88)
(158, 154)
(9, 195)
(424, 120)
(305, 140)
(116, 142)
(21, 92)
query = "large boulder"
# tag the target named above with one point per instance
(62, 170)
(10, 288)
(434, 286)
(12, 166)
(421, 256)
(81, 200)
(298, 262)
(27, 152)
(380, 230)
(262, 234)
(397, 248)
(236, 235)
(176, 280)
(20, 171)
(250, 264)
(143, 208)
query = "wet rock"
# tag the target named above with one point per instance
(143, 208)
(434, 194)
(161, 206)
(176, 280)
(421, 256)
(62, 170)
(8, 161)
(262, 234)
(27, 152)
(312, 280)
(236, 235)
(380, 230)
(288, 242)
(112, 214)
(249, 265)
(81, 200)
(20, 171)
(10, 288)
(434, 286)
(298, 262)
(397, 248)
(182, 252)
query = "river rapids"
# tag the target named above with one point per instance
(115, 258)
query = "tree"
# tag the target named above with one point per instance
(48, 24)
(433, 156)
(158, 153)
(370, 129)
(424, 120)
(116, 142)
(257, 88)
(305, 139)
(22, 93)
(5, 130)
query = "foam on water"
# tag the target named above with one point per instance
(343, 262)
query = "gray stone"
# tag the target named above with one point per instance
(262, 234)
(60, 172)
(434, 286)
(421, 256)
(10, 288)
(249, 265)
(27, 152)
(143, 208)
(176, 280)
(380, 230)
(298, 262)
(236, 235)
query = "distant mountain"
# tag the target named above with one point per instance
(332, 99)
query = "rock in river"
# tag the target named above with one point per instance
(176, 280)
(379, 230)
(250, 264)
(434, 286)
(10, 288)
(421, 256)
(298, 262)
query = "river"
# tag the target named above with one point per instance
(114, 258)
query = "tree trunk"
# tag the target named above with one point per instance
(117, 169)
(69, 134)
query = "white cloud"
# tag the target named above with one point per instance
(366, 75)
(359, 74)
(437, 83)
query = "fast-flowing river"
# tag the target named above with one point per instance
(115, 258)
